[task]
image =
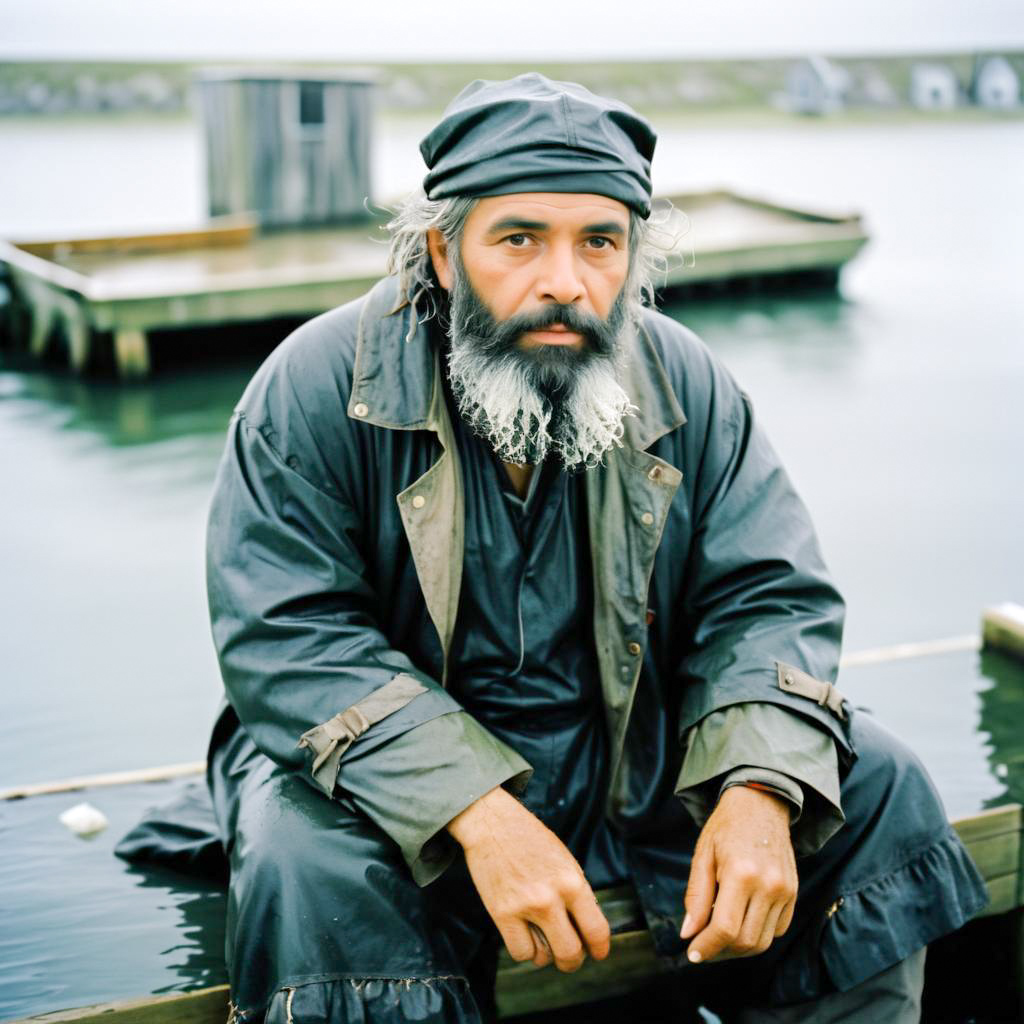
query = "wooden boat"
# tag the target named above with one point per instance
(84, 292)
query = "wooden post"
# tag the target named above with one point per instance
(39, 333)
(131, 353)
(79, 342)
(1003, 629)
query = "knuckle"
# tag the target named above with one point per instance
(743, 945)
(746, 872)
(537, 901)
(572, 884)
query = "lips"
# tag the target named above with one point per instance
(556, 334)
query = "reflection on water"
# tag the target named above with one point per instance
(1002, 717)
(79, 926)
(196, 960)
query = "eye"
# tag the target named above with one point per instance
(517, 241)
(600, 242)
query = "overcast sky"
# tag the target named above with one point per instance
(487, 30)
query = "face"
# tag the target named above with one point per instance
(528, 253)
(536, 316)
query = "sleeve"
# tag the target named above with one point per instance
(767, 745)
(311, 676)
(765, 621)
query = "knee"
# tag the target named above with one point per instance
(889, 781)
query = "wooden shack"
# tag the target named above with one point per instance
(291, 148)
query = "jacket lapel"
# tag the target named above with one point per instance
(628, 500)
(397, 384)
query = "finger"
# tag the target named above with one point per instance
(518, 940)
(724, 926)
(748, 940)
(591, 924)
(564, 941)
(770, 929)
(785, 918)
(542, 951)
(700, 892)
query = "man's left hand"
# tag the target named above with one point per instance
(743, 880)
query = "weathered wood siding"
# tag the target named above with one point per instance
(292, 150)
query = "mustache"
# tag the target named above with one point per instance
(498, 336)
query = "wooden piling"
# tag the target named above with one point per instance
(1002, 628)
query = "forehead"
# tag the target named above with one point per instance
(556, 209)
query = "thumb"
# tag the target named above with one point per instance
(700, 892)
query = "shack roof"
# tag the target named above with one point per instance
(351, 76)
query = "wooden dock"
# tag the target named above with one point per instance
(78, 294)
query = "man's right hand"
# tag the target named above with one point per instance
(531, 885)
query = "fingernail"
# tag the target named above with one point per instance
(694, 956)
(687, 921)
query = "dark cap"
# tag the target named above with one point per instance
(531, 134)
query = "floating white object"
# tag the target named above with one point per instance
(84, 820)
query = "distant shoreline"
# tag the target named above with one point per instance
(877, 84)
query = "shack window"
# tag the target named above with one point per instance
(311, 103)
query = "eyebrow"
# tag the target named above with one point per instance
(608, 227)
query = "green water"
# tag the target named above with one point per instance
(896, 405)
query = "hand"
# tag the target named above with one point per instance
(531, 885)
(743, 880)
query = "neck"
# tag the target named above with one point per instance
(520, 476)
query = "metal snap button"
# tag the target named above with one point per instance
(419, 501)
(360, 409)
(647, 519)
(635, 648)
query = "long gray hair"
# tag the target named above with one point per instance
(652, 245)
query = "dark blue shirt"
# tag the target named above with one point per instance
(523, 660)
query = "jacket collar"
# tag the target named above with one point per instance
(394, 383)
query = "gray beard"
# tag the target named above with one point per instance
(529, 404)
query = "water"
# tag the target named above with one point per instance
(896, 406)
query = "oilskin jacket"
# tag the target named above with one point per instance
(339, 515)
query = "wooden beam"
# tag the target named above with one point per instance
(232, 230)
(204, 1006)
(159, 774)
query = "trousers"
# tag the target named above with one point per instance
(325, 922)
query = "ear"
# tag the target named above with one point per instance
(438, 249)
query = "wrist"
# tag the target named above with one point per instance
(480, 818)
(752, 795)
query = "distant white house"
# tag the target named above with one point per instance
(815, 85)
(933, 87)
(995, 84)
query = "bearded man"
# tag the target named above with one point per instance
(513, 601)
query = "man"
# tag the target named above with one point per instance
(513, 602)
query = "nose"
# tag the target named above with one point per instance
(559, 278)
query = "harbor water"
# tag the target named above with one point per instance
(895, 403)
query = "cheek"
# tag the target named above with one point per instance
(501, 287)
(604, 287)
